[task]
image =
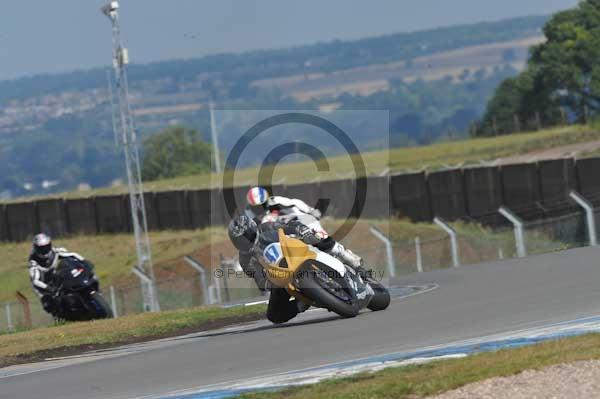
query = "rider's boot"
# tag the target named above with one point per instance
(302, 307)
(346, 256)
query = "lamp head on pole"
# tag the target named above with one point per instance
(110, 9)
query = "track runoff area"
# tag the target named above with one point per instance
(446, 313)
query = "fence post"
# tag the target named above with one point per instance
(226, 266)
(26, 309)
(203, 281)
(113, 301)
(150, 304)
(590, 217)
(418, 253)
(453, 240)
(11, 326)
(388, 249)
(518, 228)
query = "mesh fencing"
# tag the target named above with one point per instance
(474, 245)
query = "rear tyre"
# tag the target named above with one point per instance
(381, 299)
(322, 291)
(99, 308)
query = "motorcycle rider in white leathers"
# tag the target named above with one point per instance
(43, 260)
(265, 208)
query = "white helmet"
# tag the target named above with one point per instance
(43, 250)
(257, 196)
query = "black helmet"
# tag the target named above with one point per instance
(242, 232)
(42, 249)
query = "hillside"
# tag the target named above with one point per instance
(525, 147)
(435, 83)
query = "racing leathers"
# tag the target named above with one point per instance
(287, 208)
(41, 275)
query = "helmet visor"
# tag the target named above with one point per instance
(44, 250)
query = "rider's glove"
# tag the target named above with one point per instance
(307, 235)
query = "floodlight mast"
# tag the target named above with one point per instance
(132, 161)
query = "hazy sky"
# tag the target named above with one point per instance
(60, 35)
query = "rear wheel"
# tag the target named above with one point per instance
(381, 299)
(330, 291)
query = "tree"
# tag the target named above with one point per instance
(563, 71)
(176, 151)
(568, 62)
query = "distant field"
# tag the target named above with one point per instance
(432, 157)
(365, 80)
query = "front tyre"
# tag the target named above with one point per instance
(381, 299)
(98, 307)
(330, 292)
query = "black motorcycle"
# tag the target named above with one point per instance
(77, 296)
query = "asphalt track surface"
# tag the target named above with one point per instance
(470, 302)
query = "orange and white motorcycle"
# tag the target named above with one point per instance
(319, 279)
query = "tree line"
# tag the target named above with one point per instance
(561, 83)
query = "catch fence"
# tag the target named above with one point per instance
(226, 284)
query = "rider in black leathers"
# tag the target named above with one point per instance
(42, 264)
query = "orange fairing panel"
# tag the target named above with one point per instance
(295, 251)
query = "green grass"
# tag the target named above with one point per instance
(440, 376)
(115, 331)
(113, 255)
(430, 157)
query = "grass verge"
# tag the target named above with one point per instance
(72, 338)
(113, 255)
(440, 376)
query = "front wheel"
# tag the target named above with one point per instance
(381, 299)
(329, 292)
(98, 307)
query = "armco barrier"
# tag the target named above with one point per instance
(21, 220)
(81, 216)
(340, 196)
(483, 192)
(219, 215)
(450, 194)
(113, 214)
(151, 211)
(587, 177)
(4, 236)
(377, 201)
(447, 193)
(173, 210)
(409, 197)
(521, 186)
(200, 208)
(52, 217)
(557, 179)
(308, 192)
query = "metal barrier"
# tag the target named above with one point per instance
(391, 258)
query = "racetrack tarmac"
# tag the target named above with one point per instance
(470, 302)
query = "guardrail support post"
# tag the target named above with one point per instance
(388, 249)
(26, 309)
(150, 304)
(206, 297)
(11, 326)
(113, 301)
(518, 228)
(589, 212)
(453, 239)
(418, 254)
